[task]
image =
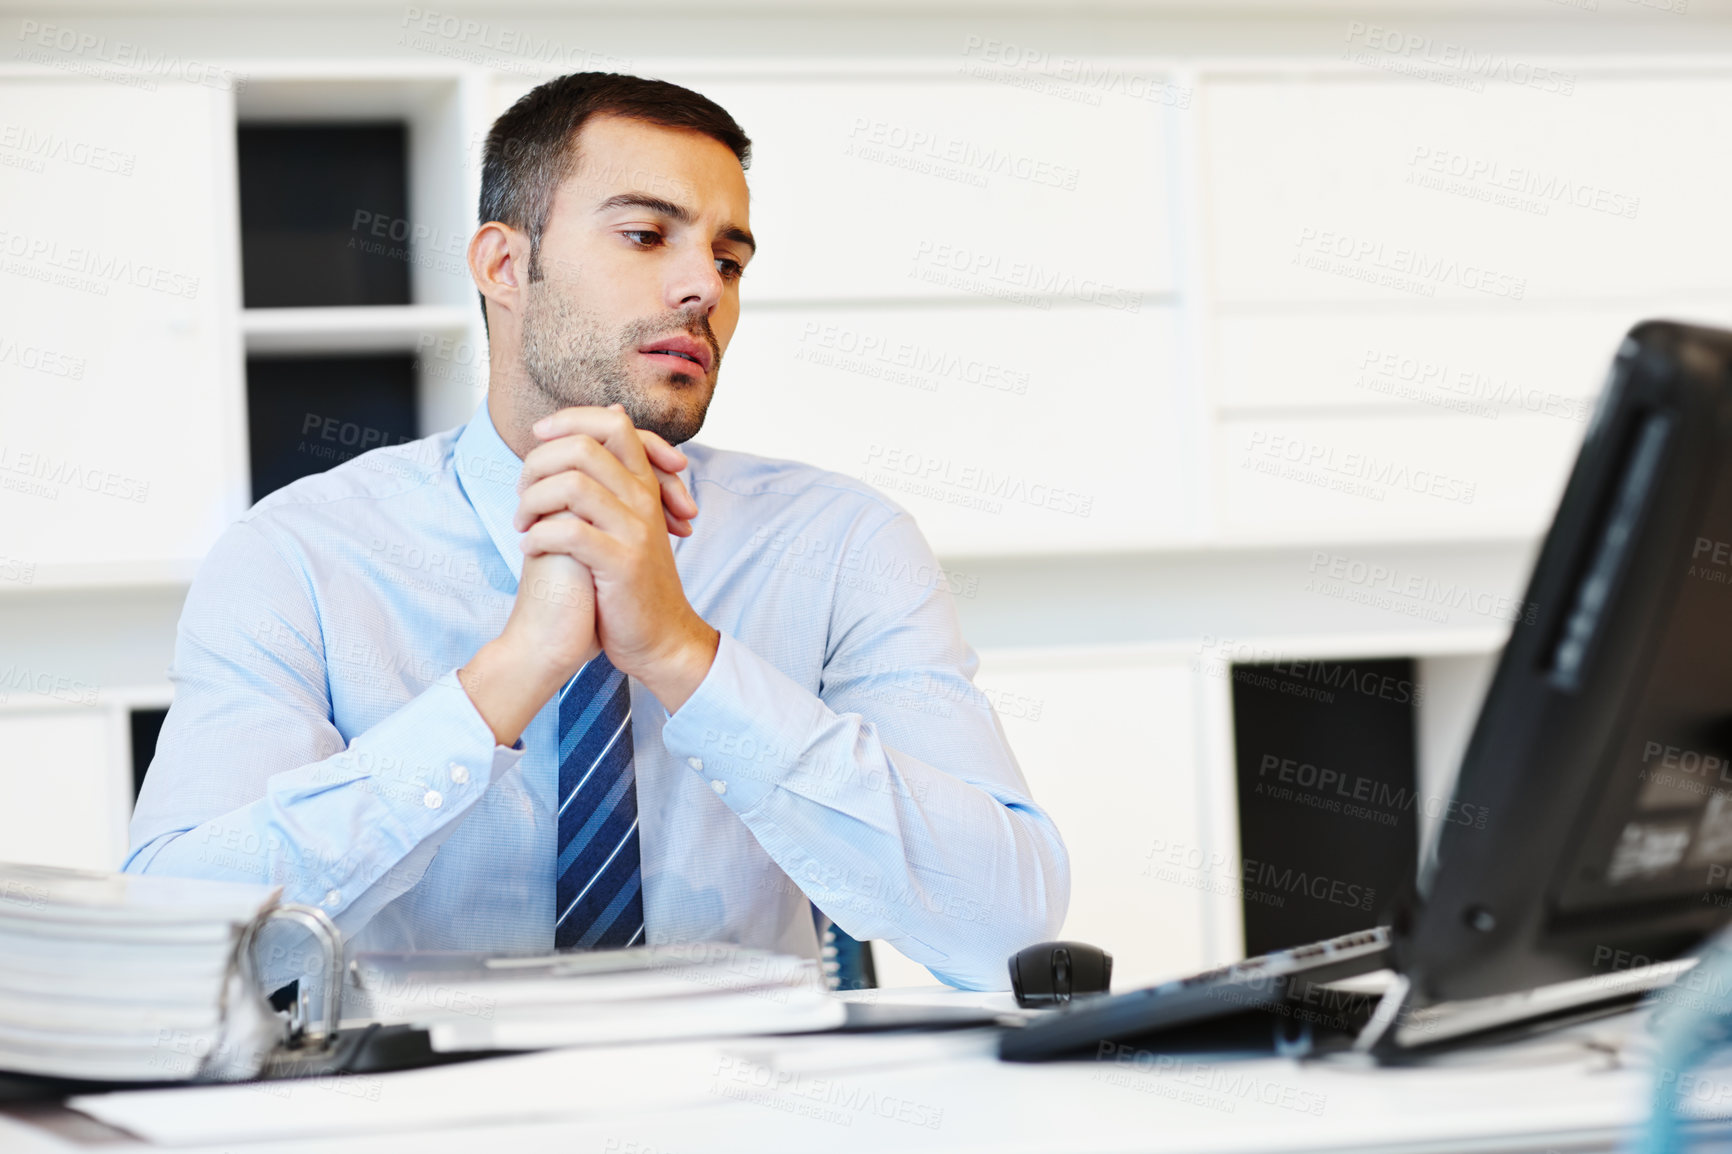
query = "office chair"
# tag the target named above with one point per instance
(847, 961)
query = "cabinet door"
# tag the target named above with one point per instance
(1003, 434)
(1418, 285)
(1371, 190)
(121, 441)
(67, 802)
(1108, 741)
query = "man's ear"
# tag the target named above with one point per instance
(499, 264)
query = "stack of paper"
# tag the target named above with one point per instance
(118, 977)
(471, 1001)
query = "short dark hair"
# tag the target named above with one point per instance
(533, 146)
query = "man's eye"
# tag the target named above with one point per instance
(643, 236)
(730, 269)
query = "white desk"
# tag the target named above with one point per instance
(936, 1092)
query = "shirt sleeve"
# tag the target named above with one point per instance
(891, 797)
(253, 782)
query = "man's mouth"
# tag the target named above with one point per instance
(681, 350)
(677, 356)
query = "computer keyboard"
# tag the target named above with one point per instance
(1288, 980)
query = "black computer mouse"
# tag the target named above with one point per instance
(1052, 973)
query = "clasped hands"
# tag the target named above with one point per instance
(597, 501)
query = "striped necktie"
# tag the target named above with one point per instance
(599, 887)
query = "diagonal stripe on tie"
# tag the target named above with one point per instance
(610, 917)
(597, 887)
(590, 772)
(598, 880)
(597, 695)
(608, 909)
(577, 837)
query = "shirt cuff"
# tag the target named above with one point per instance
(743, 729)
(427, 763)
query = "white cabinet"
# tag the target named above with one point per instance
(1110, 743)
(442, 327)
(1295, 478)
(1001, 432)
(122, 447)
(68, 795)
(1417, 286)
(1501, 199)
(1494, 366)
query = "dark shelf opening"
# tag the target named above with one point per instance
(324, 214)
(146, 728)
(308, 414)
(1328, 795)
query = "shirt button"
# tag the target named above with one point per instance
(719, 786)
(459, 773)
(694, 762)
(332, 897)
(433, 799)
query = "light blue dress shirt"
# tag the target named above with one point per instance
(837, 751)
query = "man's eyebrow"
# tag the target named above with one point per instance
(740, 236)
(673, 211)
(655, 204)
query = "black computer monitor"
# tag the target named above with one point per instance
(1601, 762)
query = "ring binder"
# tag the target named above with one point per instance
(322, 927)
(110, 978)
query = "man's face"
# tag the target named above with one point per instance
(638, 290)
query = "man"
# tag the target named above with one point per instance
(504, 688)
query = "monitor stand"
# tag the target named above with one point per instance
(1403, 1029)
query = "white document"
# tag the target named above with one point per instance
(471, 1001)
(641, 1020)
(616, 1081)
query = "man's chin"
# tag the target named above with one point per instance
(674, 433)
(674, 424)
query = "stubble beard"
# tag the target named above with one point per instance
(569, 361)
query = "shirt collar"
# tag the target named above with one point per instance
(488, 470)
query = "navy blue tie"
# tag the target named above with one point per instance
(599, 891)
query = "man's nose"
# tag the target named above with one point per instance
(695, 284)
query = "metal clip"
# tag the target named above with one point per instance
(320, 925)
